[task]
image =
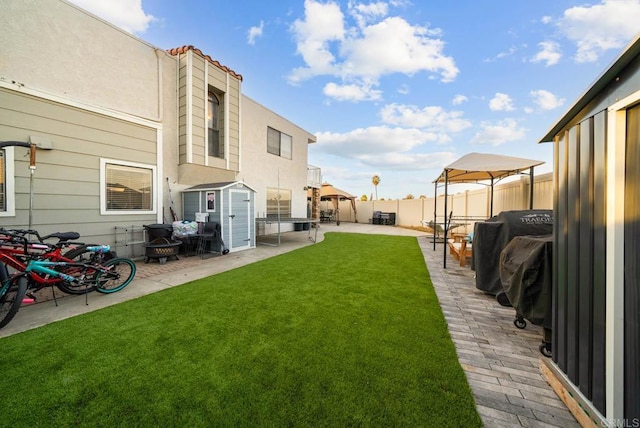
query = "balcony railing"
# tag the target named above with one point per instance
(314, 176)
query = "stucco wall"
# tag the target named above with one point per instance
(56, 47)
(261, 169)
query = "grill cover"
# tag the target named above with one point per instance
(492, 236)
(525, 270)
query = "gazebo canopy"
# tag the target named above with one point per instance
(475, 167)
(330, 193)
(478, 167)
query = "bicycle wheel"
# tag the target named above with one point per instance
(81, 254)
(12, 299)
(120, 274)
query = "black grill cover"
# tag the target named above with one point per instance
(525, 270)
(492, 236)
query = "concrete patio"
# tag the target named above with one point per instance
(501, 361)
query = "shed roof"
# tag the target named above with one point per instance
(217, 186)
(627, 55)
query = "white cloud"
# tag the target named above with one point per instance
(364, 52)
(255, 32)
(545, 100)
(512, 50)
(432, 118)
(351, 92)
(403, 89)
(323, 24)
(459, 99)
(549, 53)
(394, 46)
(126, 14)
(501, 102)
(496, 134)
(363, 143)
(598, 28)
(365, 13)
(408, 161)
(546, 19)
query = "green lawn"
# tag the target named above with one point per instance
(346, 332)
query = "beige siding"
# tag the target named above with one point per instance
(66, 184)
(228, 87)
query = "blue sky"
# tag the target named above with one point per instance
(397, 88)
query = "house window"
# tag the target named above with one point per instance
(278, 143)
(278, 201)
(216, 145)
(127, 187)
(7, 195)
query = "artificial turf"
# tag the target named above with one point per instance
(346, 332)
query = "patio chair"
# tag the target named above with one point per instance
(208, 237)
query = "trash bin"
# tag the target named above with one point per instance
(155, 231)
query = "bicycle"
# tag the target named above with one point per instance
(12, 253)
(105, 277)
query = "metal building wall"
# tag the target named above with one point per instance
(631, 268)
(579, 262)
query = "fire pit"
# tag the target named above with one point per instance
(161, 249)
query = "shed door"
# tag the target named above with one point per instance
(240, 220)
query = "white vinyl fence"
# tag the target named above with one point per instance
(469, 204)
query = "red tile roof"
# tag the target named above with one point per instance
(184, 49)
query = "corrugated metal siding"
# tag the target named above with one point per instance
(579, 265)
(632, 269)
(67, 178)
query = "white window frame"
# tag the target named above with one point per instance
(103, 187)
(10, 190)
(285, 154)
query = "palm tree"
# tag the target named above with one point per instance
(376, 180)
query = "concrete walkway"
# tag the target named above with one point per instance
(501, 361)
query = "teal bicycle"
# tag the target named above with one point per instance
(91, 273)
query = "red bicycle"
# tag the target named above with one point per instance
(37, 264)
(13, 254)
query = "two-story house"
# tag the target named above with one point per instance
(126, 127)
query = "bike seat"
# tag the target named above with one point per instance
(63, 236)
